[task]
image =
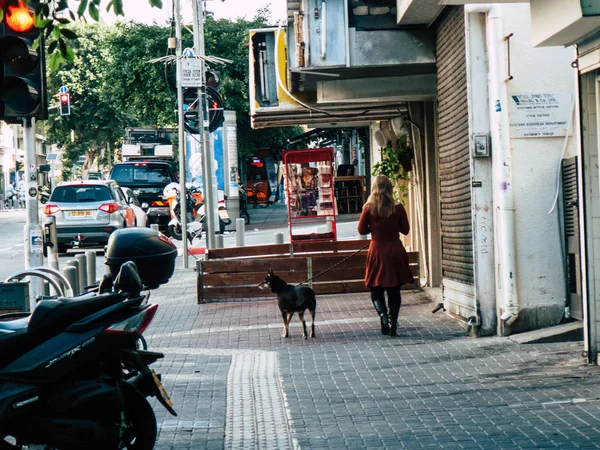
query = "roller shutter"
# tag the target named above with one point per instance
(453, 141)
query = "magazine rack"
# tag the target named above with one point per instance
(310, 194)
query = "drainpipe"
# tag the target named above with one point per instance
(501, 160)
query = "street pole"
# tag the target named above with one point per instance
(181, 136)
(34, 256)
(207, 156)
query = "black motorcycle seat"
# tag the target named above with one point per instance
(48, 319)
(10, 326)
(55, 315)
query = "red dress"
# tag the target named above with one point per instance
(387, 260)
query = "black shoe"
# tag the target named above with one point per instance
(385, 328)
(393, 331)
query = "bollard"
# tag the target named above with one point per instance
(74, 263)
(82, 271)
(154, 226)
(328, 225)
(362, 237)
(219, 241)
(46, 288)
(91, 267)
(70, 272)
(240, 227)
(279, 238)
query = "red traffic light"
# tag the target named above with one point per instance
(65, 104)
(19, 18)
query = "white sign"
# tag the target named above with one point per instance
(191, 73)
(539, 115)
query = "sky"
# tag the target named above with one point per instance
(141, 11)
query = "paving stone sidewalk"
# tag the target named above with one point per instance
(236, 383)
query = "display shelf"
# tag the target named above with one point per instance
(310, 194)
(349, 194)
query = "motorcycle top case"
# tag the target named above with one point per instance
(151, 251)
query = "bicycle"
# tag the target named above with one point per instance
(244, 205)
(260, 197)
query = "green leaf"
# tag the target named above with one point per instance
(94, 13)
(72, 16)
(156, 3)
(82, 7)
(69, 34)
(56, 33)
(54, 61)
(52, 46)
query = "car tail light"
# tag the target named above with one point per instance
(50, 209)
(136, 324)
(109, 207)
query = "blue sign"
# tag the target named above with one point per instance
(63, 90)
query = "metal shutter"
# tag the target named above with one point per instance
(453, 139)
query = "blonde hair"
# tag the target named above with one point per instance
(381, 201)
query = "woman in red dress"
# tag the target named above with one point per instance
(387, 260)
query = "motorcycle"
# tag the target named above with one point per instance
(71, 373)
(194, 201)
(196, 211)
(44, 194)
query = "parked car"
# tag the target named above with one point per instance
(87, 212)
(141, 219)
(147, 180)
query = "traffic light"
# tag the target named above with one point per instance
(65, 104)
(215, 109)
(190, 106)
(23, 74)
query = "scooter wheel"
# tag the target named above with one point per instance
(140, 422)
(175, 232)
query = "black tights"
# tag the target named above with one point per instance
(394, 300)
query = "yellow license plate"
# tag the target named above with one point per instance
(161, 389)
(80, 214)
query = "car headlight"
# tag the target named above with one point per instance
(145, 205)
(136, 192)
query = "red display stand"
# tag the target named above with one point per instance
(310, 194)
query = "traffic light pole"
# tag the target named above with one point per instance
(210, 199)
(181, 138)
(34, 256)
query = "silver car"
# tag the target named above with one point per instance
(87, 212)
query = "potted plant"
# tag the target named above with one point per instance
(396, 164)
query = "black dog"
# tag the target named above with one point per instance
(292, 299)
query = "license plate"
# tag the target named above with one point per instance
(80, 214)
(161, 389)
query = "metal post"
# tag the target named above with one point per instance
(70, 272)
(240, 227)
(279, 238)
(219, 241)
(81, 271)
(34, 249)
(181, 136)
(91, 267)
(207, 157)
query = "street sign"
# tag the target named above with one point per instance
(63, 90)
(51, 156)
(191, 70)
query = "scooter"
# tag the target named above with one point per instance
(194, 219)
(224, 219)
(44, 194)
(71, 375)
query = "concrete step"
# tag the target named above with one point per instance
(571, 331)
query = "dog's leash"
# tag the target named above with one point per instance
(336, 264)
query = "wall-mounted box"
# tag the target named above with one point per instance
(14, 297)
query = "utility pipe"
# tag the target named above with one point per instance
(501, 160)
